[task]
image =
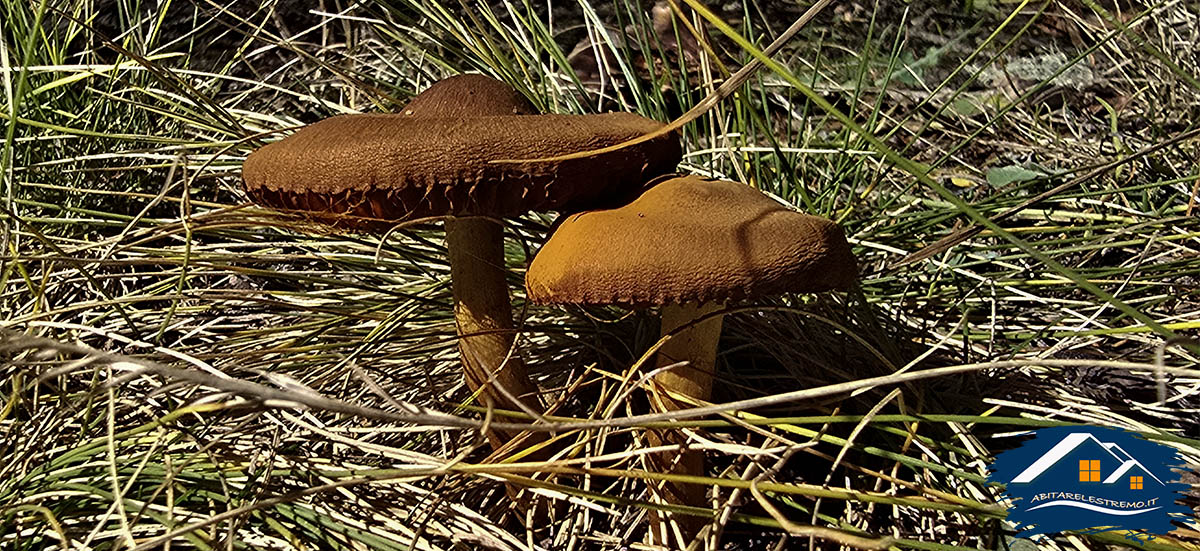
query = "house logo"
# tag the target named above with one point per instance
(1079, 478)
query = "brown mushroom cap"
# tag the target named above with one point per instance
(397, 167)
(473, 95)
(690, 240)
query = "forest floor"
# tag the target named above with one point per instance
(1019, 182)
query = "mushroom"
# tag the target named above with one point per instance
(689, 246)
(481, 337)
(433, 160)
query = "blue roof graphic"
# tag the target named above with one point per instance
(1082, 477)
(1069, 444)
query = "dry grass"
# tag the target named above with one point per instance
(183, 370)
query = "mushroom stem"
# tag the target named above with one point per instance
(696, 345)
(483, 316)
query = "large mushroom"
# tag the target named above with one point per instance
(435, 159)
(688, 246)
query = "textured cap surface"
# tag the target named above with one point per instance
(397, 167)
(690, 240)
(468, 96)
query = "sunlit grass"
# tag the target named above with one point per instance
(131, 255)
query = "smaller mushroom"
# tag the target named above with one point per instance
(689, 246)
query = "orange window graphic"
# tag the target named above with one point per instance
(1135, 483)
(1089, 470)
